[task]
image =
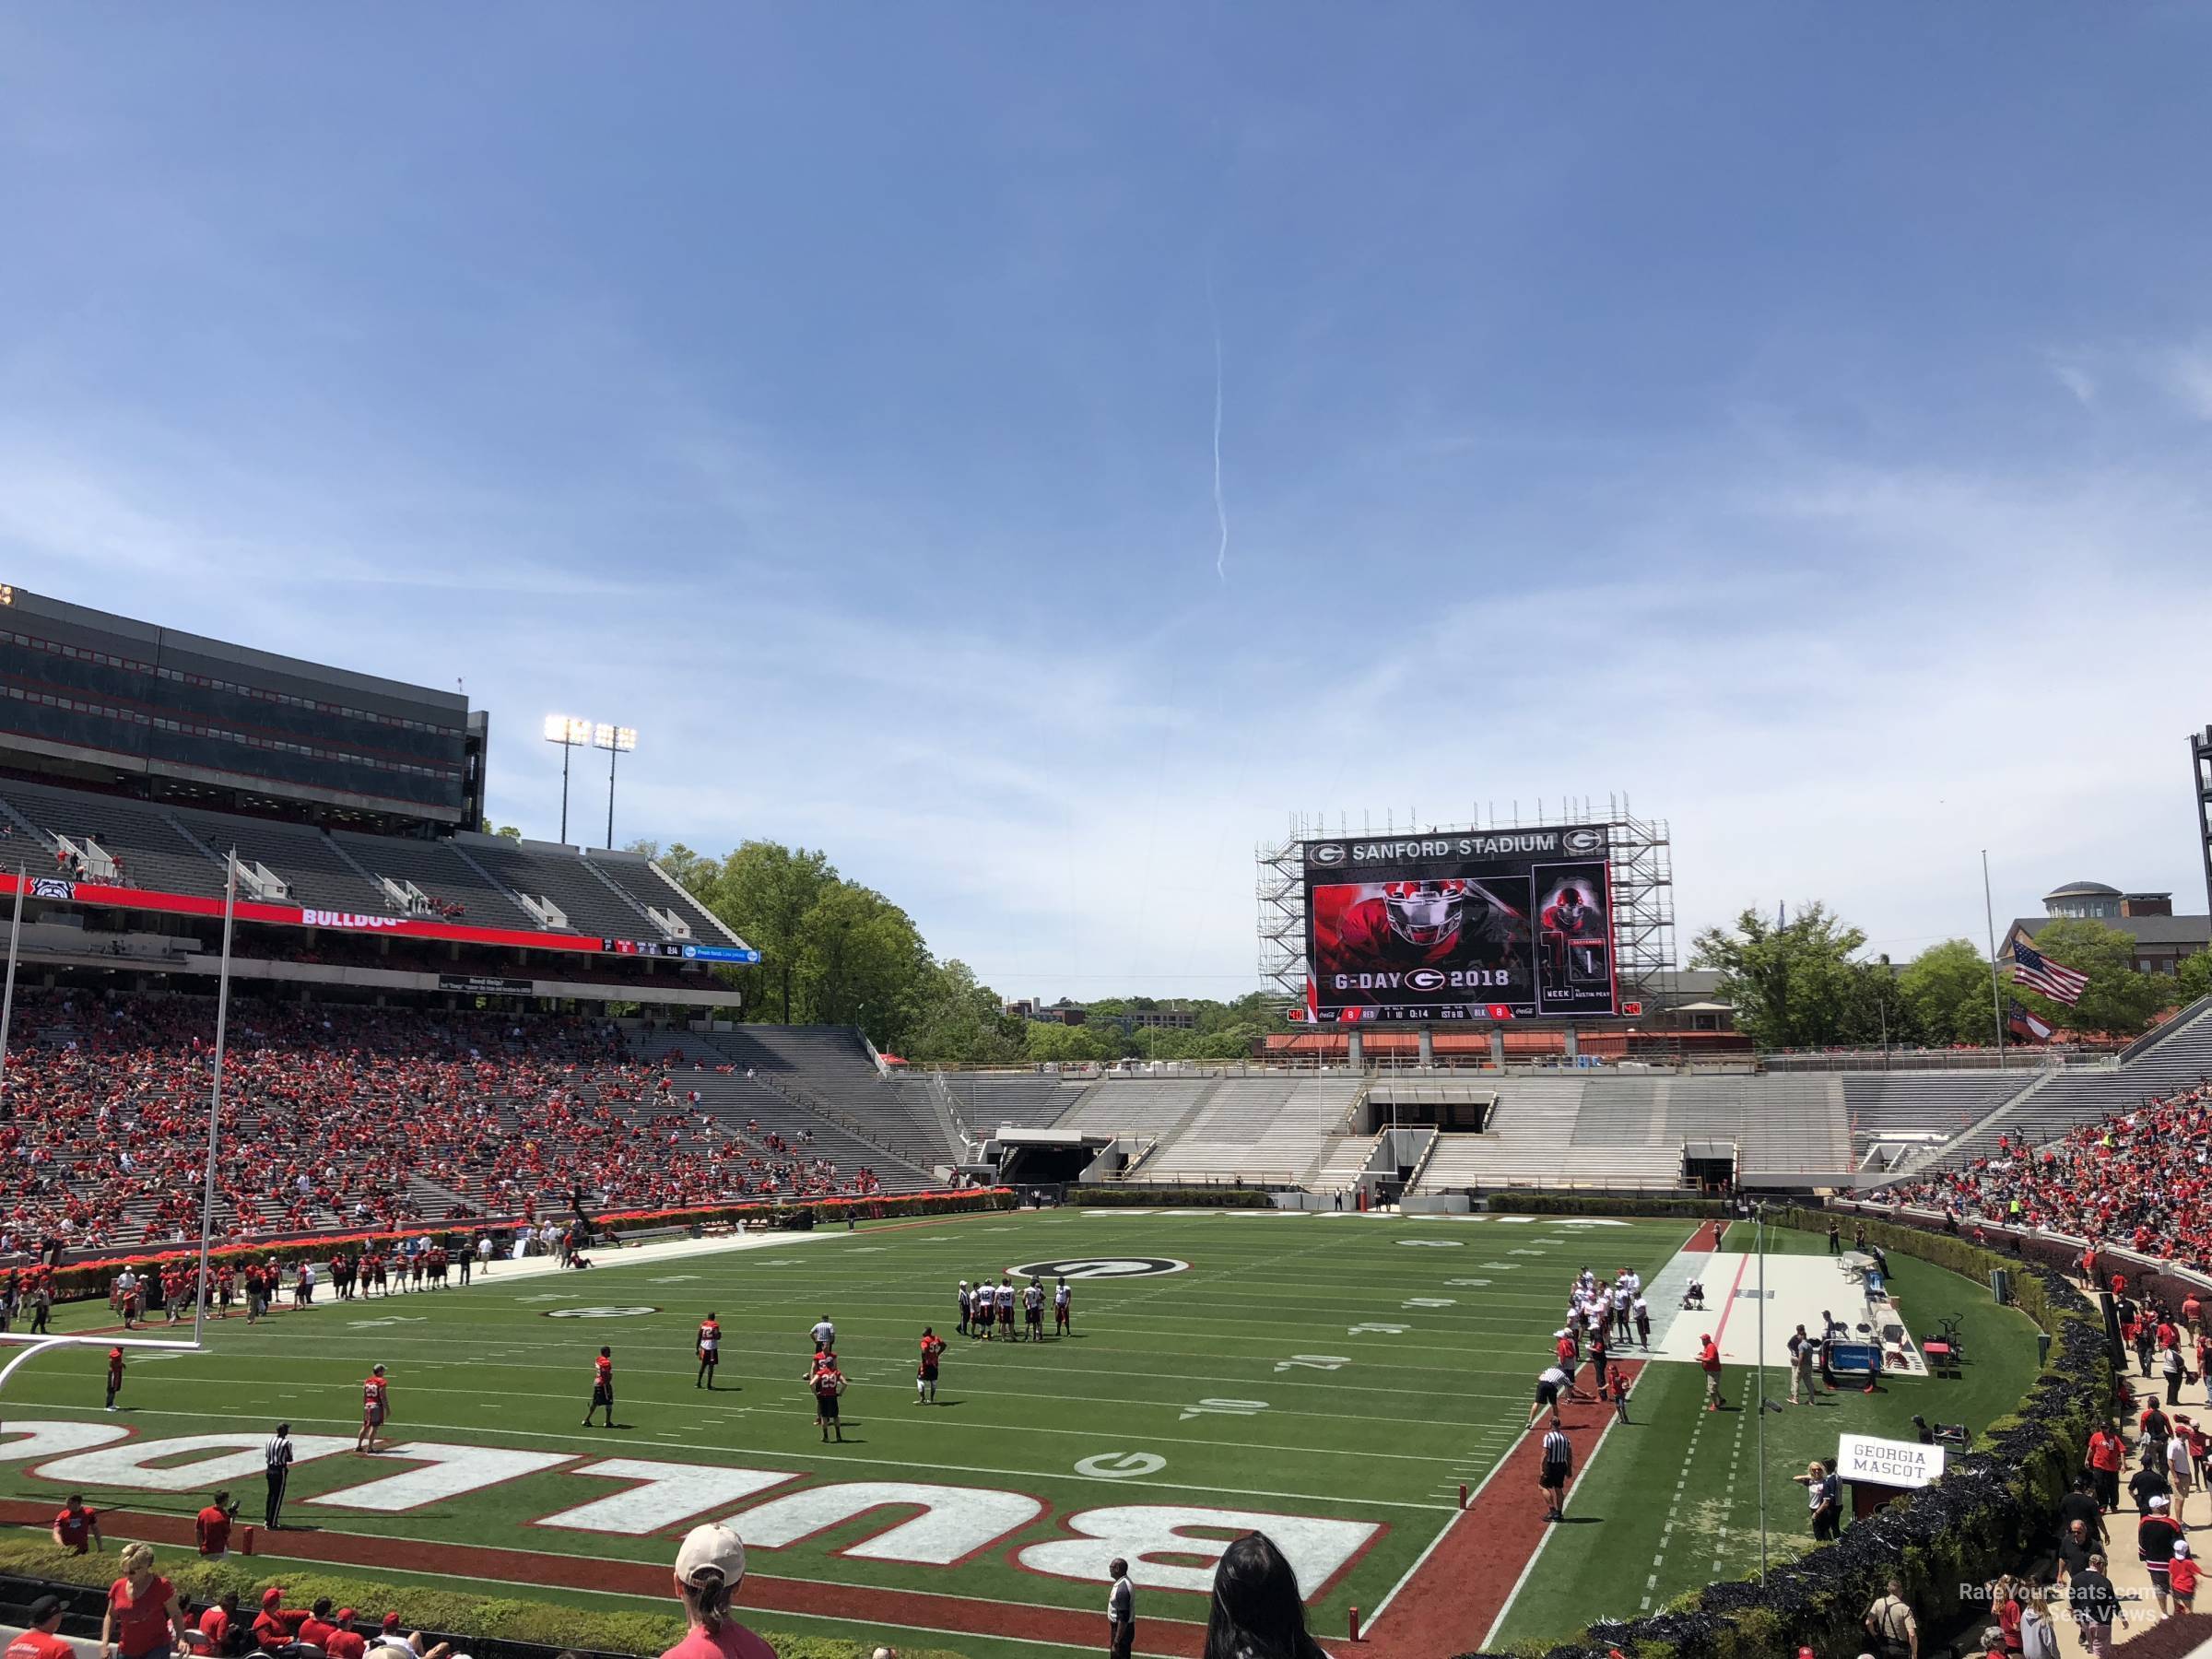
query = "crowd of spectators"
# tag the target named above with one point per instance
(1257, 1611)
(2139, 1179)
(345, 1117)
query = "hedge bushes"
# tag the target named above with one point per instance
(1197, 1197)
(1992, 1511)
(448, 1613)
(1570, 1203)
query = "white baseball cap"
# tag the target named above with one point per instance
(713, 1546)
(2157, 1504)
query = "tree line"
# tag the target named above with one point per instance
(1803, 981)
(834, 952)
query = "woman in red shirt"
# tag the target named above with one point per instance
(143, 1612)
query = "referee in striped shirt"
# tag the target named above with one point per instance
(277, 1465)
(1552, 1473)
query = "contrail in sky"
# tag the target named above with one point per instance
(1220, 511)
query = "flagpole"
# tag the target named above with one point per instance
(7, 998)
(215, 1103)
(1996, 996)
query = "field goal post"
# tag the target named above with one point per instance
(31, 1344)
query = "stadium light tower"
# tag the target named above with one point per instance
(571, 733)
(616, 741)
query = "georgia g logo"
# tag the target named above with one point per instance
(1425, 979)
(1100, 1267)
(1328, 852)
(1583, 840)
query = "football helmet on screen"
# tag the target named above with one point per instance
(1425, 913)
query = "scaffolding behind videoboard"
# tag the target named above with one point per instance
(1638, 849)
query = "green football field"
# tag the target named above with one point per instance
(1332, 1380)
(1676, 1496)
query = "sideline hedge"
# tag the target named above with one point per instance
(1568, 1203)
(82, 1280)
(1992, 1510)
(1200, 1197)
(447, 1613)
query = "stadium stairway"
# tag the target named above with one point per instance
(1342, 1159)
(734, 1099)
(829, 1068)
(1269, 1129)
(154, 853)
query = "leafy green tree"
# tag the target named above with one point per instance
(1048, 1041)
(1794, 982)
(509, 830)
(765, 891)
(956, 1018)
(860, 961)
(2194, 978)
(2118, 999)
(1949, 995)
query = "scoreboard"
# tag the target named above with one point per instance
(1476, 925)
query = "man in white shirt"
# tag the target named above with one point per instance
(1121, 1610)
(824, 1335)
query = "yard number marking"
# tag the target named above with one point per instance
(1222, 1408)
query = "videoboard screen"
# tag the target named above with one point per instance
(1504, 925)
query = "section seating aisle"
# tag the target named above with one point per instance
(2055, 1101)
(1265, 1129)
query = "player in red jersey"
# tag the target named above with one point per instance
(603, 1387)
(827, 1383)
(114, 1375)
(376, 1409)
(926, 1378)
(225, 1287)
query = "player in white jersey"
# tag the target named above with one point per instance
(824, 1335)
(1061, 1306)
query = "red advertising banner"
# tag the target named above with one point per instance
(291, 916)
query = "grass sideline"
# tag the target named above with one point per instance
(1677, 1488)
(1355, 1368)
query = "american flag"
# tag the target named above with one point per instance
(2038, 973)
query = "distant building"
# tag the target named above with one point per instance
(1060, 1013)
(2163, 940)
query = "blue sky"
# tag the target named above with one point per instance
(1798, 420)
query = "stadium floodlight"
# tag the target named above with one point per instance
(571, 733)
(616, 740)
